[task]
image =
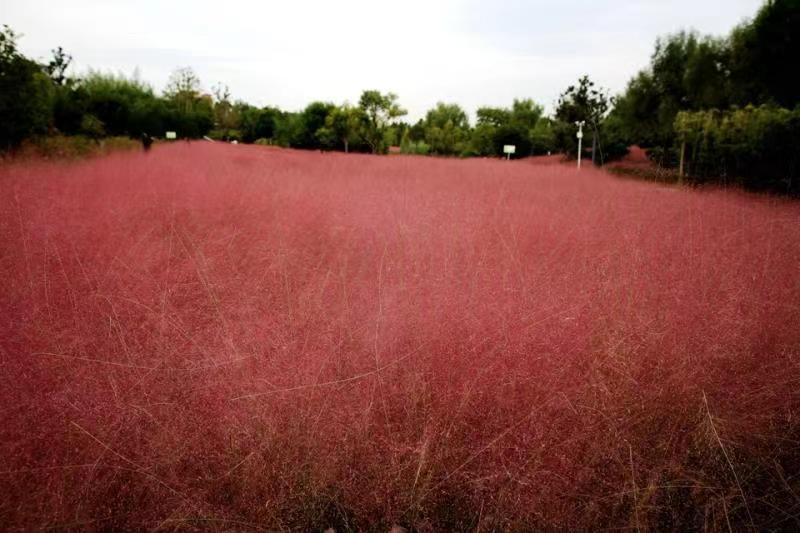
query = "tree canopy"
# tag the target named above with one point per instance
(377, 112)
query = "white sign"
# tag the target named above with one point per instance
(509, 149)
(580, 135)
(171, 135)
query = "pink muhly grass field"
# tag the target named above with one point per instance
(220, 337)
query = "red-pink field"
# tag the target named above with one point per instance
(234, 337)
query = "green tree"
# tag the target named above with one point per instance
(446, 129)
(526, 113)
(189, 112)
(57, 67)
(760, 53)
(493, 116)
(482, 140)
(114, 100)
(497, 126)
(183, 88)
(751, 146)
(289, 129)
(256, 123)
(226, 116)
(705, 79)
(636, 113)
(341, 125)
(542, 137)
(583, 102)
(70, 101)
(26, 94)
(377, 112)
(687, 72)
(310, 121)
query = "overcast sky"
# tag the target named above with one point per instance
(288, 53)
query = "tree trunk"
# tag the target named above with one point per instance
(594, 146)
(683, 155)
(346, 146)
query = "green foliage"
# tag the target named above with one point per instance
(636, 113)
(118, 102)
(525, 114)
(583, 102)
(189, 113)
(126, 106)
(255, 123)
(417, 131)
(615, 140)
(497, 127)
(408, 146)
(92, 127)
(693, 73)
(57, 67)
(288, 129)
(761, 53)
(341, 125)
(751, 146)
(664, 106)
(310, 122)
(543, 137)
(687, 72)
(195, 123)
(226, 115)
(183, 89)
(482, 140)
(26, 94)
(377, 112)
(446, 129)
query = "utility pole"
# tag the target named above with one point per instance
(580, 140)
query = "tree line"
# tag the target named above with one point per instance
(41, 99)
(721, 109)
(714, 108)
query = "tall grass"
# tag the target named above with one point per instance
(220, 337)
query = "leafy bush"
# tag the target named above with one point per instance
(753, 146)
(414, 147)
(92, 127)
(542, 136)
(26, 94)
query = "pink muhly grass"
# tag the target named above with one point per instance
(237, 337)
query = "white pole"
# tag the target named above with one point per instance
(580, 141)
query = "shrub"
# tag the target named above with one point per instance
(92, 127)
(415, 148)
(752, 146)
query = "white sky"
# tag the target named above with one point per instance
(289, 53)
